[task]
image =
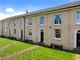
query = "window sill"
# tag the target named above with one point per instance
(14, 26)
(57, 24)
(77, 23)
(30, 36)
(29, 25)
(57, 39)
(41, 24)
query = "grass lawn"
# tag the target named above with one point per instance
(40, 53)
(43, 53)
(4, 42)
(18, 46)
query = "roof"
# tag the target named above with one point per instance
(68, 5)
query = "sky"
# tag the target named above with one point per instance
(16, 7)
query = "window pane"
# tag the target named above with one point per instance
(30, 33)
(21, 21)
(30, 21)
(42, 20)
(14, 23)
(57, 33)
(58, 36)
(57, 19)
(14, 31)
(78, 17)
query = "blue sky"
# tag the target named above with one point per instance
(13, 7)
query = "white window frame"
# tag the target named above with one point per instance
(77, 18)
(54, 19)
(16, 31)
(29, 21)
(40, 21)
(54, 35)
(21, 22)
(28, 33)
(14, 23)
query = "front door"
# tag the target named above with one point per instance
(21, 34)
(42, 36)
(78, 39)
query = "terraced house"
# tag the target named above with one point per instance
(53, 26)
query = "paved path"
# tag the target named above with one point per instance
(18, 53)
(78, 57)
(7, 46)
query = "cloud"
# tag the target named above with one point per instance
(2, 16)
(10, 12)
(19, 12)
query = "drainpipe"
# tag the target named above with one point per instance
(69, 29)
(9, 28)
(24, 27)
(2, 28)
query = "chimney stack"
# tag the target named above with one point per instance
(27, 12)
